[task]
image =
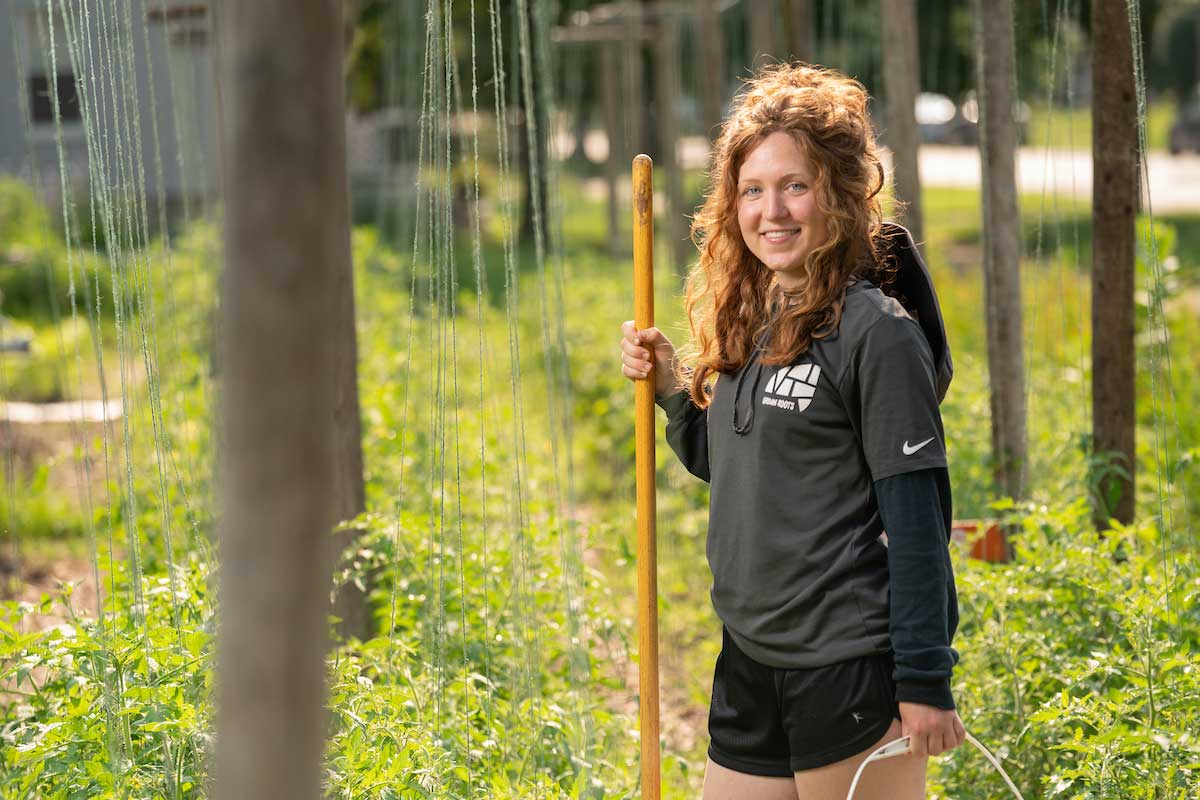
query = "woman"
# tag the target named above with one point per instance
(809, 401)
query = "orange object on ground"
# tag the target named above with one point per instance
(991, 545)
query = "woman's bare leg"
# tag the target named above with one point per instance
(722, 783)
(898, 778)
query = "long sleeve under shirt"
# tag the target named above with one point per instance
(916, 509)
(809, 463)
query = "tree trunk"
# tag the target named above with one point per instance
(710, 43)
(351, 604)
(800, 30)
(287, 245)
(762, 22)
(533, 150)
(633, 106)
(1195, 56)
(667, 91)
(900, 85)
(610, 96)
(1114, 205)
(1001, 242)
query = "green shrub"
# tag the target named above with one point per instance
(30, 509)
(1079, 663)
(36, 274)
(438, 708)
(118, 710)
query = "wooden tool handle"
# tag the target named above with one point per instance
(647, 558)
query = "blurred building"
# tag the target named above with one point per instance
(135, 98)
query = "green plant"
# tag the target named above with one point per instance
(1081, 670)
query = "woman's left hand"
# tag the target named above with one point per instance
(932, 730)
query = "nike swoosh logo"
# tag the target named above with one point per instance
(908, 451)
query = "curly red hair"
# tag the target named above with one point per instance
(729, 291)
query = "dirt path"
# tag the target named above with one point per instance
(32, 562)
(683, 723)
(39, 577)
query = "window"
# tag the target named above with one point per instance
(41, 99)
(186, 23)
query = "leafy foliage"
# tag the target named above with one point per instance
(113, 709)
(1083, 672)
(504, 584)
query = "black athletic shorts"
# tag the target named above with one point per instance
(774, 722)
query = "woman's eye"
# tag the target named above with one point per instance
(796, 186)
(749, 190)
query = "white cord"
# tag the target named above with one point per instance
(902, 746)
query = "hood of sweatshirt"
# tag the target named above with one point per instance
(913, 287)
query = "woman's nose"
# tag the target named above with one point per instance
(776, 208)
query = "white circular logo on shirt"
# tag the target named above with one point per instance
(792, 387)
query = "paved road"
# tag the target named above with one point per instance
(71, 411)
(1174, 180)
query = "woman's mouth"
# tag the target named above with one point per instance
(774, 237)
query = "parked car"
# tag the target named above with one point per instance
(940, 121)
(969, 111)
(1185, 133)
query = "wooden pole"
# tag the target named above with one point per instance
(710, 77)
(614, 130)
(800, 30)
(633, 84)
(647, 555)
(1114, 205)
(351, 605)
(763, 24)
(287, 246)
(666, 92)
(900, 83)
(1001, 243)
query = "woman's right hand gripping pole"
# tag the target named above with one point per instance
(648, 351)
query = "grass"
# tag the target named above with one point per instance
(1071, 128)
(61, 364)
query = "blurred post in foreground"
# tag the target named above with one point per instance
(287, 249)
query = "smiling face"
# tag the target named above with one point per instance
(777, 207)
